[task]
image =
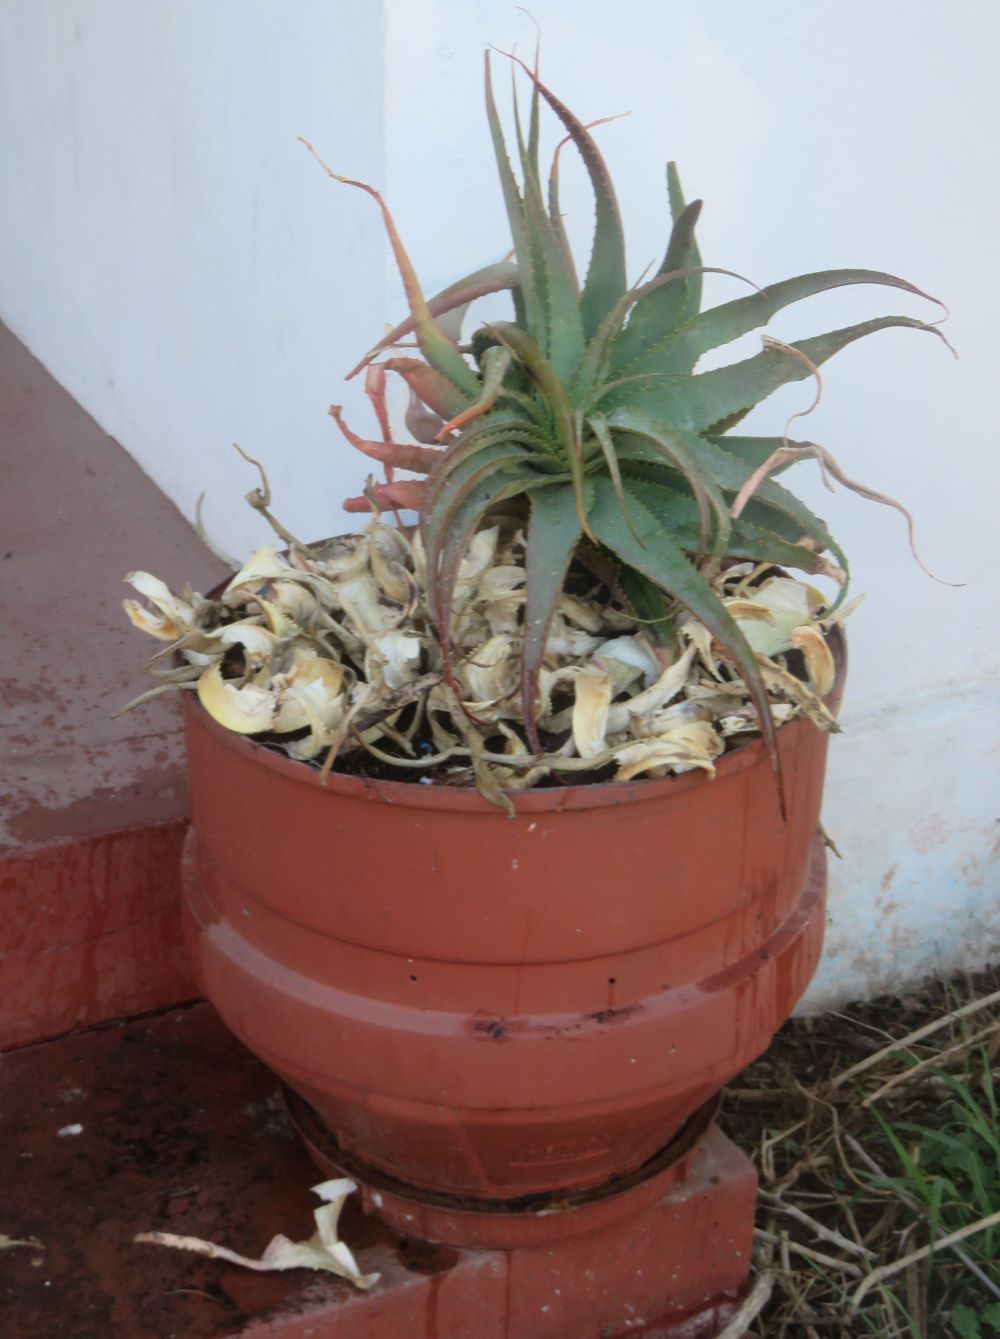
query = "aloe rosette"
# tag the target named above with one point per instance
(587, 412)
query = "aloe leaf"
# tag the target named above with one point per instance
(663, 562)
(459, 464)
(480, 446)
(599, 426)
(534, 119)
(593, 369)
(704, 402)
(554, 531)
(459, 528)
(437, 517)
(446, 545)
(494, 278)
(555, 212)
(678, 514)
(564, 329)
(395, 455)
(435, 390)
(437, 348)
(682, 249)
(560, 292)
(606, 280)
(530, 297)
(496, 427)
(496, 363)
(680, 351)
(529, 215)
(754, 451)
(527, 352)
(649, 605)
(777, 508)
(660, 315)
(676, 449)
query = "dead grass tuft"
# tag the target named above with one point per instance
(876, 1135)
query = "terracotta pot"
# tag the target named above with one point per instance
(491, 1006)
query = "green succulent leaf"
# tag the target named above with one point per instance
(529, 296)
(682, 249)
(653, 552)
(605, 282)
(706, 402)
(652, 608)
(682, 451)
(493, 278)
(754, 451)
(773, 507)
(555, 214)
(563, 325)
(496, 363)
(554, 530)
(658, 315)
(677, 512)
(598, 425)
(565, 422)
(448, 543)
(450, 486)
(679, 350)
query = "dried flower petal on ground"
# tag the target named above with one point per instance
(323, 1251)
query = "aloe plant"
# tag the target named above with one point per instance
(586, 411)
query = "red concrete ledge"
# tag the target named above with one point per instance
(90, 932)
(91, 810)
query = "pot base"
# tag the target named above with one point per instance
(502, 1224)
(664, 1253)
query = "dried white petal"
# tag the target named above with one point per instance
(782, 604)
(265, 564)
(585, 614)
(590, 711)
(694, 744)
(247, 710)
(628, 654)
(489, 676)
(666, 688)
(400, 656)
(818, 657)
(176, 616)
(323, 1251)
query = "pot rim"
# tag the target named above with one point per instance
(467, 799)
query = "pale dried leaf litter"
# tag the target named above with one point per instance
(323, 1251)
(330, 655)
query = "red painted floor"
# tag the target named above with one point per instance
(91, 810)
(168, 1124)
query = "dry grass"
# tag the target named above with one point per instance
(876, 1135)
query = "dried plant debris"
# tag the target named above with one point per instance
(323, 1251)
(330, 655)
(876, 1133)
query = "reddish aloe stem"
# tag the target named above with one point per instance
(375, 383)
(433, 389)
(402, 455)
(407, 494)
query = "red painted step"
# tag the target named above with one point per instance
(168, 1124)
(92, 811)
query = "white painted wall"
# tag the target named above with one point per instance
(171, 253)
(183, 268)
